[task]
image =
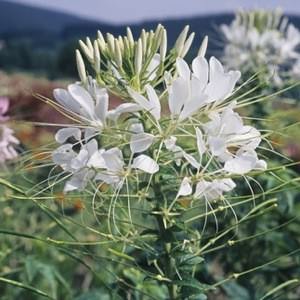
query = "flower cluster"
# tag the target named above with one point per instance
(262, 39)
(188, 130)
(7, 139)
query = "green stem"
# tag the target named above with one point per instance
(168, 261)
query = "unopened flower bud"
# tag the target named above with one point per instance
(86, 50)
(203, 47)
(138, 58)
(89, 44)
(130, 37)
(163, 45)
(179, 44)
(187, 45)
(110, 43)
(80, 67)
(118, 54)
(97, 60)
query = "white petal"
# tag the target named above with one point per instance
(78, 181)
(183, 68)
(91, 146)
(185, 188)
(101, 108)
(146, 164)
(154, 101)
(200, 142)
(97, 160)
(114, 159)
(65, 99)
(65, 133)
(240, 165)
(137, 128)
(83, 98)
(192, 107)
(108, 178)
(261, 165)
(221, 84)
(139, 99)
(152, 105)
(63, 156)
(80, 161)
(217, 145)
(200, 70)
(114, 114)
(152, 68)
(201, 187)
(178, 93)
(226, 184)
(191, 160)
(141, 142)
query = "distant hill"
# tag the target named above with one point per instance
(19, 21)
(18, 18)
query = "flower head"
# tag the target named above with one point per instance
(261, 38)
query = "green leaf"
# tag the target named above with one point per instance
(191, 259)
(25, 286)
(191, 287)
(235, 291)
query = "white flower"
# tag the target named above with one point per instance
(191, 90)
(152, 104)
(251, 44)
(79, 164)
(7, 139)
(205, 84)
(212, 190)
(226, 132)
(244, 162)
(170, 144)
(140, 141)
(7, 144)
(91, 106)
(185, 188)
(115, 171)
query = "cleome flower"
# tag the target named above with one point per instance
(191, 91)
(90, 105)
(262, 38)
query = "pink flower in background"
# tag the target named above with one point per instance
(7, 139)
(4, 105)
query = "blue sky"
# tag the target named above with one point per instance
(120, 11)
